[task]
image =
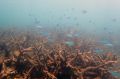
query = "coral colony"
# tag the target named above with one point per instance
(28, 55)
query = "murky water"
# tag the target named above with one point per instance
(66, 20)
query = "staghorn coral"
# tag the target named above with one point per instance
(32, 57)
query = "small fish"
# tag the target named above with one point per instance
(50, 40)
(45, 34)
(105, 28)
(77, 24)
(110, 32)
(73, 9)
(75, 18)
(114, 20)
(57, 24)
(106, 43)
(39, 27)
(36, 21)
(60, 18)
(64, 15)
(97, 50)
(90, 21)
(109, 45)
(30, 14)
(68, 17)
(69, 43)
(76, 35)
(84, 11)
(115, 73)
(69, 35)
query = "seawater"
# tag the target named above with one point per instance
(96, 18)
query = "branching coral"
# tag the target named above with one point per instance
(39, 59)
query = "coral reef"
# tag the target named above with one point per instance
(30, 56)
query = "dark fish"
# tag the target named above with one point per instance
(36, 21)
(84, 11)
(29, 14)
(57, 25)
(77, 24)
(110, 32)
(90, 21)
(64, 15)
(105, 28)
(94, 23)
(68, 17)
(73, 9)
(75, 18)
(60, 18)
(114, 20)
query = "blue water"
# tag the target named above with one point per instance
(95, 17)
(99, 18)
(89, 15)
